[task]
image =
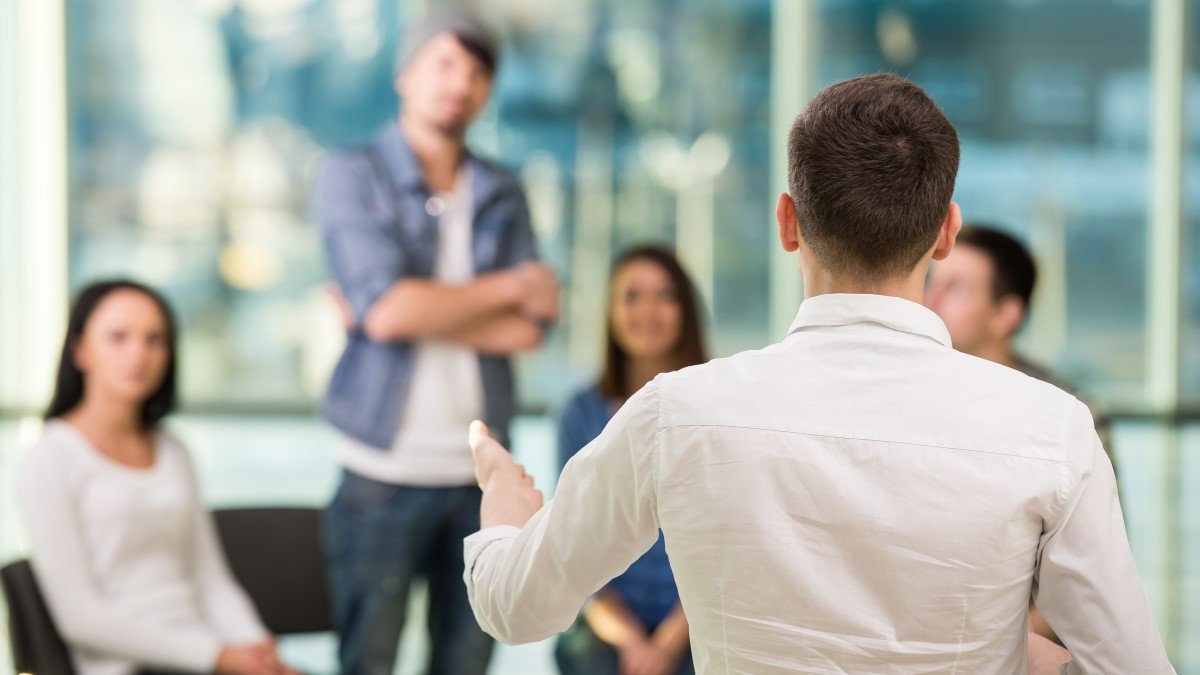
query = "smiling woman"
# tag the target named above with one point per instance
(654, 326)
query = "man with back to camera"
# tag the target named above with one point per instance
(858, 497)
(435, 267)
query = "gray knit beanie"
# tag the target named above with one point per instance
(458, 22)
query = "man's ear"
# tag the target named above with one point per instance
(785, 215)
(949, 232)
(1010, 312)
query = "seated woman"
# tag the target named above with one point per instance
(635, 624)
(125, 553)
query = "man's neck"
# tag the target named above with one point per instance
(820, 282)
(438, 153)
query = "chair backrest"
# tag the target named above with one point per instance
(36, 645)
(277, 556)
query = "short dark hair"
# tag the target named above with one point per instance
(871, 168)
(68, 387)
(689, 350)
(1014, 271)
(482, 52)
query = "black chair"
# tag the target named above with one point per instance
(275, 554)
(36, 645)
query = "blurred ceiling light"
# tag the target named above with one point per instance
(257, 173)
(178, 189)
(709, 154)
(274, 19)
(250, 267)
(897, 38)
(361, 46)
(666, 158)
(634, 57)
(184, 93)
(676, 166)
(356, 22)
(214, 7)
(273, 7)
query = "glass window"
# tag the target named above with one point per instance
(1051, 103)
(194, 126)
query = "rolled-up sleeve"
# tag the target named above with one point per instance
(1086, 582)
(528, 584)
(365, 256)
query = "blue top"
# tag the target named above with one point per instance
(369, 204)
(648, 586)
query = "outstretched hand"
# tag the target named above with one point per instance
(509, 496)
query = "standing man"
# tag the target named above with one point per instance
(434, 260)
(859, 497)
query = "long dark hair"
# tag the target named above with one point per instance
(689, 350)
(68, 388)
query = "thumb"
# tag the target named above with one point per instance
(477, 435)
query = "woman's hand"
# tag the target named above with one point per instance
(260, 658)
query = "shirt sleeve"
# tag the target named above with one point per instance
(80, 610)
(527, 584)
(365, 257)
(228, 609)
(1086, 582)
(524, 242)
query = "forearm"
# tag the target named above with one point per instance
(611, 619)
(672, 633)
(503, 333)
(125, 636)
(415, 308)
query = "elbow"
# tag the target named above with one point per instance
(529, 338)
(516, 620)
(77, 631)
(510, 633)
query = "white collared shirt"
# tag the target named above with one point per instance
(857, 498)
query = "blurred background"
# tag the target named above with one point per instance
(174, 141)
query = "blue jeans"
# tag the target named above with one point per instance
(579, 651)
(378, 538)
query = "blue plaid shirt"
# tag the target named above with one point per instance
(369, 203)
(648, 586)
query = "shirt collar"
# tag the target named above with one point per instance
(844, 309)
(405, 170)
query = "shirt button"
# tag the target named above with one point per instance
(434, 206)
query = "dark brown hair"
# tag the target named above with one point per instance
(1013, 270)
(871, 167)
(68, 388)
(689, 351)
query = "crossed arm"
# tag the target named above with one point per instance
(499, 313)
(496, 313)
